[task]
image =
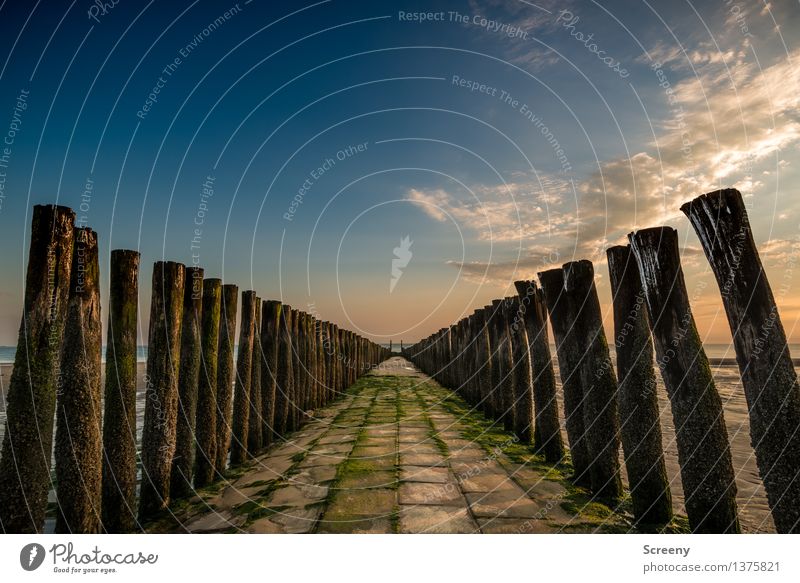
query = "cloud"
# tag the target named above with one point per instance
(728, 125)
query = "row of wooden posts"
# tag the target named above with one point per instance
(499, 359)
(202, 411)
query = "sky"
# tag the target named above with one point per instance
(392, 166)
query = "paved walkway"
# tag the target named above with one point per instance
(398, 453)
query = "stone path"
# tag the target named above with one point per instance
(397, 454)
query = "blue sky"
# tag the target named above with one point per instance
(544, 153)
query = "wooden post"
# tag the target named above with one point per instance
(188, 377)
(547, 429)
(483, 360)
(703, 450)
(600, 413)
(569, 357)
(28, 439)
(225, 373)
(285, 381)
(119, 420)
(762, 353)
(523, 379)
(161, 400)
(244, 367)
(640, 428)
(206, 417)
(78, 448)
(299, 387)
(255, 442)
(270, 339)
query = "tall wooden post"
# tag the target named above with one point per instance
(569, 357)
(770, 381)
(523, 379)
(206, 417)
(244, 367)
(28, 439)
(161, 400)
(640, 428)
(119, 420)
(78, 445)
(703, 450)
(547, 429)
(270, 340)
(254, 433)
(600, 413)
(285, 381)
(188, 377)
(225, 373)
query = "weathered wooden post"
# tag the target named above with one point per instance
(188, 378)
(523, 379)
(255, 442)
(285, 379)
(270, 339)
(161, 400)
(244, 368)
(78, 449)
(703, 450)
(547, 429)
(299, 387)
(28, 439)
(206, 418)
(225, 373)
(119, 420)
(770, 382)
(600, 413)
(483, 361)
(640, 428)
(569, 357)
